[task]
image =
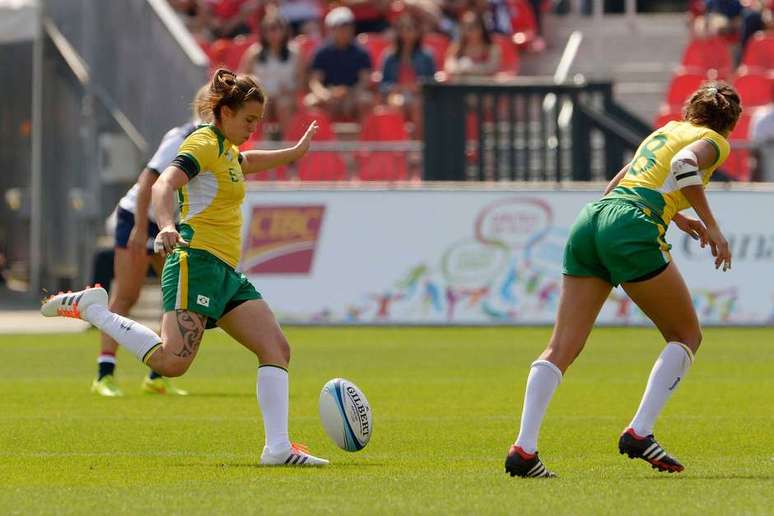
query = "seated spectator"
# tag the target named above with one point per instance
(405, 66)
(473, 53)
(341, 70)
(277, 66)
(192, 16)
(370, 15)
(229, 18)
(496, 14)
(762, 135)
(300, 14)
(756, 16)
(730, 11)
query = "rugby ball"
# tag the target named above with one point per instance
(345, 414)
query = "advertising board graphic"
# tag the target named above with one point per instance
(474, 257)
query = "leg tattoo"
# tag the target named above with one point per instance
(191, 327)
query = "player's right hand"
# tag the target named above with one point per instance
(719, 246)
(166, 241)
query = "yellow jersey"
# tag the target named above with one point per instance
(649, 180)
(210, 203)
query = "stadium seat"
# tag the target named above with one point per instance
(306, 47)
(759, 53)
(437, 45)
(754, 89)
(681, 87)
(316, 165)
(701, 56)
(228, 52)
(376, 44)
(737, 166)
(523, 23)
(383, 125)
(509, 54)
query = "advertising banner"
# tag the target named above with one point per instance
(486, 256)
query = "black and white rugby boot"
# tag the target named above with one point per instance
(648, 449)
(523, 464)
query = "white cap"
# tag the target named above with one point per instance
(339, 16)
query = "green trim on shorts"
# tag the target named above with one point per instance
(197, 281)
(616, 240)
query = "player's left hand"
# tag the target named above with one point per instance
(695, 228)
(303, 144)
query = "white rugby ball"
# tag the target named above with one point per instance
(345, 414)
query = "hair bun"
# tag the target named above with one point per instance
(712, 91)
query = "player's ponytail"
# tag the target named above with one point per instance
(229, 89)
(715, 105)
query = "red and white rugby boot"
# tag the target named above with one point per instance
(74, 304)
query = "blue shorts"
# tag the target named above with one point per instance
(124, 225)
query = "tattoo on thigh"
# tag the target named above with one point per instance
(191, 327)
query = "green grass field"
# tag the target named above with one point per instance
(445, 405)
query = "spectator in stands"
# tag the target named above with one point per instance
(229, 18)
(192, 15)
(301, 14)
(756, 16)
(277, 66)
(405, 66)
(370, 15)
(762, 136)
(496, 15)
(730, 11)
(474, 53)
(341, 70)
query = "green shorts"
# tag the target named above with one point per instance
(617, 241)
(196, 280)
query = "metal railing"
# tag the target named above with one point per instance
(509, 132)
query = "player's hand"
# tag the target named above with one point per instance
(719, 246)
(303, 144)
(695, 228)
(138, 241)
(166, 241)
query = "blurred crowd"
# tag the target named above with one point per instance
(351, 58)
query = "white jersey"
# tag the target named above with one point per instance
(164, 155)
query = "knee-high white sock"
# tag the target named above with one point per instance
(272, 387)
(666, 374)
(544, 378)
(130, 334)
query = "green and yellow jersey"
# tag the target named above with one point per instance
(649, 181)
(210, 203)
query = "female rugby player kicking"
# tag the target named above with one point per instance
(135, 229)
(199, 283)
(619, 240)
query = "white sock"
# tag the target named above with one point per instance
(130, 334)
(272, 392)
(544, 378)
(666, 374)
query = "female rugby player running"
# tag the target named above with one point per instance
(199, 283)
(135, 230)
(619, 240)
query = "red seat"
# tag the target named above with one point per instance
(437, 45)
(737, 166)
(228, 52)
(376, 44)
(666, 117)
(523, 22)
(306, 47)
(754, 89)
(704, 55)
(681, 87)
(509, 54)
(759, 53)
(316, 165)
(383, 125)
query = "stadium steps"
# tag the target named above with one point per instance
(639, 55)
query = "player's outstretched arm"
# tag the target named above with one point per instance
(617, 179)
(260, 160)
